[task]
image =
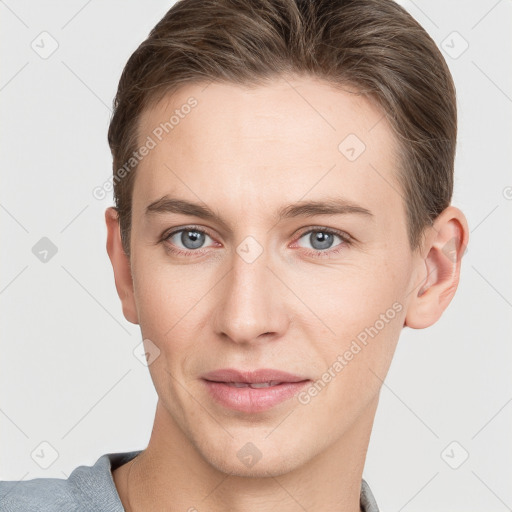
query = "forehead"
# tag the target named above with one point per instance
(232, 147)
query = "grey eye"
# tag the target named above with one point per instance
(189, 238)
(320, 240)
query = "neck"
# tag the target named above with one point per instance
(171, 474)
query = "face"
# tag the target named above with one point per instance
(264, 281)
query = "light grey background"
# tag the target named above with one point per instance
(68, 375)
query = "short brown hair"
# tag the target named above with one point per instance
(372, 45)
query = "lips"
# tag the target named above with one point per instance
(253, 385)
(252, 391)
(261, 376)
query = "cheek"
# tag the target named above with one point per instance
(164, 294)
(367, 319)
(165, 307)
(349, 297)
(361, 312)
(171, 301)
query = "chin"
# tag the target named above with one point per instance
(247, 460)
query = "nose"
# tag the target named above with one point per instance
(251, 305)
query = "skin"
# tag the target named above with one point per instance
(267, 147)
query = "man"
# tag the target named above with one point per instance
(283, 172)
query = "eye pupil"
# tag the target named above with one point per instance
(192, 239)
(324, 239)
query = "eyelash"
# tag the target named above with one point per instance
(346, 239)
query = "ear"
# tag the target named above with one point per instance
(121, 265)
(438, 268)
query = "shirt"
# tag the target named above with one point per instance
(90, 488)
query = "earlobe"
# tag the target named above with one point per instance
(121, 266)
(438, 269)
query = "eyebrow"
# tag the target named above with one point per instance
(328, 206)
